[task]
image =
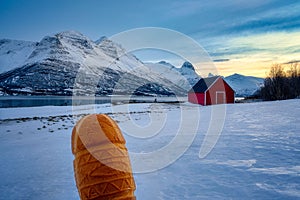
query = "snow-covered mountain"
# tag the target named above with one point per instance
(184, 77)
(70, 62)
(13, 53)
(188, 71)
(244, 85)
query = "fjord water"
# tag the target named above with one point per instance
(33, 101)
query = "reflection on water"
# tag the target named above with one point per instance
(31, 101)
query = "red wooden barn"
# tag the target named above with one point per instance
(210, 91)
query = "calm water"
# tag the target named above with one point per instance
(31, 101)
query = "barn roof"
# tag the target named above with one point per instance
(203, 84)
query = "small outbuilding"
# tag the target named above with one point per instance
(210, 91)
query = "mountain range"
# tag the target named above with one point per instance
(244, 86)
(70, 63)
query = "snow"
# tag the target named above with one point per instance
(256, 157)
(184, 77)
(13, 53)
(170, 73)
(244, 85)
(67, 45)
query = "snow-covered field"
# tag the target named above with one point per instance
(256, 157)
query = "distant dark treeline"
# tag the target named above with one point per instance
(282, 84)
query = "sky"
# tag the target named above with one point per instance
(240, 36)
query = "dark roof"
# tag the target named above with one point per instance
(203, 84)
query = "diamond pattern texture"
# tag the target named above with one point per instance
(101, 166)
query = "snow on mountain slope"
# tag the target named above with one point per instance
(170, 73)
(188, 71)
(69, 60)
(69, 45)
(120, 55)
(244, 85)
(184, 77)
(13, 53)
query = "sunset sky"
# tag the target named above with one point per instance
(241, 36)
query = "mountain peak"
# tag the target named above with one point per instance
(166, 63)
(75, 38)
(163, 62)
(244, 85)
(71, 34)
(210, 74)
(110, 48)
(236, 74)
(187, 65)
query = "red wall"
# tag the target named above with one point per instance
(220, 85)
(197, 98)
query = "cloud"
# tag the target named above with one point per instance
(276, 17)
(273, 23)
(178, 8)
(237, 17)
(292, 62)
(276, 42)
(221, 60)
(270, 43)
(241, 35)
(255, 53)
